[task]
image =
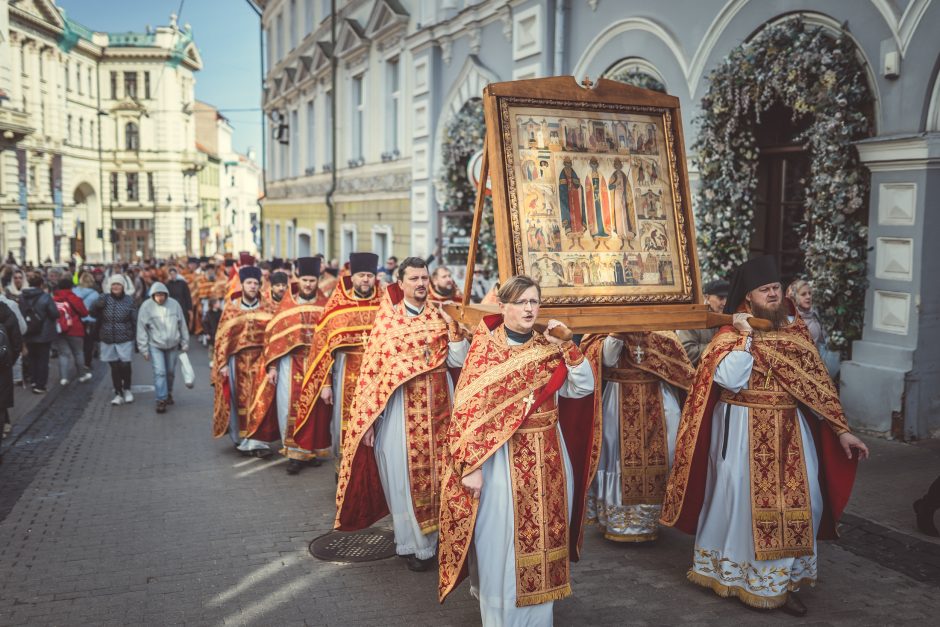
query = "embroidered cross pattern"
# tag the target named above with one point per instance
(529, 401)
(638, 354)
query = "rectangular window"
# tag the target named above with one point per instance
(151, 190)
(357, 117)
(81, 132)
(42, 67)
(392, 82)
(91, 83)
(114, 186)
(78, 77)
(130, 85)
(147, 85)
(310, 18)
(68, 77)
(321, 241)
(268, 244)
(294, 144)
(132, 186)
(279, 37)
(114, 84)
(68, 128)
(32, 180)
(311, 124)
(91, 133)
(269, 46)
(277, 239)
(328, 129)
(292, 24)
(290, 241)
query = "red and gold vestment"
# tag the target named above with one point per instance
(402, 351)
(507, 395)
(787, 372)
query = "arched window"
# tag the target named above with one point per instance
(131, 136)
(637, 72)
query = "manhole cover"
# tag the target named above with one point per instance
(367, 545)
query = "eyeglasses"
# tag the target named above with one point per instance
(532, 303)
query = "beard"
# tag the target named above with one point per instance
(363, 293)
(776, 314)
(445, 291)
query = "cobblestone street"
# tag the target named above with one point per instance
(117, 515)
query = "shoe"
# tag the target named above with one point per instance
(117, 400)
(161, 407)
(63, 382)
(316, 462)
(419, 565)
(169, 399)
(261, 453)
(793, 606)
(128, 397)
(85, 378)
(294, 466)
(38, 390)
(925, 522)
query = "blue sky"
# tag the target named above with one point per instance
(226, 33)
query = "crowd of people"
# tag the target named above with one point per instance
(491, 448)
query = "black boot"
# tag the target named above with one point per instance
(419, 565)
(294, 466)
(794, 606)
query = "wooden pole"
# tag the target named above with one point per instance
(477, 221)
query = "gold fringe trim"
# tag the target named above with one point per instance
(639, 537)
(428, 527)
(780, 554)
(298, 455)
(528, 560)
(544, 597)
(748, 598)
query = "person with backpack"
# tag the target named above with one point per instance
(87, 290)
(117, 316)
(70, 342)
(41, 315)
(11, 344)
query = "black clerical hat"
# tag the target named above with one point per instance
(749, 276)
(249, 272)
(308, 266)
(363, 262)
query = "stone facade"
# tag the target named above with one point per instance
(110, 117)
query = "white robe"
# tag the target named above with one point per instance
(724, 542)
(493, 571)
(391, 456)
(606, 498)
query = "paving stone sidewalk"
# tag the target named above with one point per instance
(129, 517)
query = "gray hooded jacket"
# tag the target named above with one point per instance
(161, 326)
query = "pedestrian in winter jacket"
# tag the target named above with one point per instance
(162, 333)
(70, 343)
(179, 291)
(117, 329)
(41, 315)
(87, 290)
(14, 345)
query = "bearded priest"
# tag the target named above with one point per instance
(288, 340)
(518, 462)
(391, 454)
(764, 459)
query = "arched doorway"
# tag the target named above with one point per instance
(303, 244)
(85, 218)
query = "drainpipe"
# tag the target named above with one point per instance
(330, 204)
(561, 7)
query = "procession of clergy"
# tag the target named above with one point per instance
(493, 448)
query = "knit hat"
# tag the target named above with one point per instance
(116, 278)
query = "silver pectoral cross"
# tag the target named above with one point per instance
(638, 354)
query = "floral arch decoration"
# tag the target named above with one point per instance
(463, 137)
(818, 75)
(637, 72)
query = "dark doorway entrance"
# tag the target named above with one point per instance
(133, 236)
(782, 172)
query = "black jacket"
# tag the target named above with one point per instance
(117, 318)
(12, 326)
(179, 291)
(42, 303)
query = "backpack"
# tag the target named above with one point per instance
(65, 316)
(6, 349)
(31, 316)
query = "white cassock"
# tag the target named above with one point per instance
(724, 543)
(391, 456)
(493, 571)
(616, 518)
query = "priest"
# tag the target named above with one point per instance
(339, 344)
(646, 377)
(289, 337)
(764, 461)
(239, 345)
(443, 286)
(279, 285)
(399, 416)
(518, 463)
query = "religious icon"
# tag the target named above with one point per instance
(620, 197)
(598, 205)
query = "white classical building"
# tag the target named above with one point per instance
(104, 163)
